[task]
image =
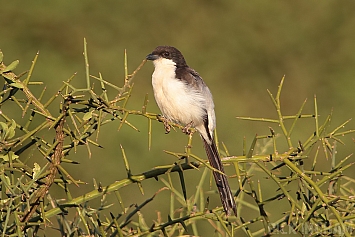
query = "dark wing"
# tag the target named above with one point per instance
(190, 77)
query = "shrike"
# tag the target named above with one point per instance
(184, 98)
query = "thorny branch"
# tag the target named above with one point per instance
(53, 169)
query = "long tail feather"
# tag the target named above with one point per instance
(224, 190)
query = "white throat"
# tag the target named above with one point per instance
(164, 66)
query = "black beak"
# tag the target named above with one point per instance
(152, 57)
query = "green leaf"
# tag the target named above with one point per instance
(13, 124)
(11, 130)
(10, 134)
(36, 171)
(6, 156)
(12, 66)
(17, 85)
(5, 201)
(6, 131)
(9, 77)
(87, 116)
(4, 128)
(1, 56)
(12, 155)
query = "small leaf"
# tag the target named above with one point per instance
(12, 155)
(4, 157)
(36, 171)
(13, 124)
(12, 66)
(9, 77)
(11, 130)
(3, 130)
(87, 116)
(9, 134)
(5, 201)
(17, 85)
(3, 126)
(1, 56)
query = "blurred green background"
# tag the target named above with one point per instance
(240, 48)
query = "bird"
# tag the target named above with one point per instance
(184, 98)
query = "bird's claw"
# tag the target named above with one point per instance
(167, 126)
(162, 119)
(186, 129)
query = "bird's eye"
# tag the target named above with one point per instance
(166, 54)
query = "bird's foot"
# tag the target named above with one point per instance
(162, 119)
(186, 129)
(167, 126)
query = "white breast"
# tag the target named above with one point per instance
(177, 101)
